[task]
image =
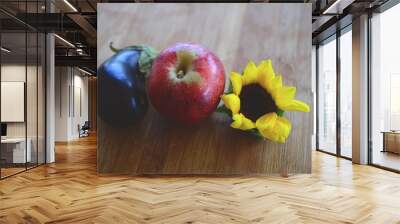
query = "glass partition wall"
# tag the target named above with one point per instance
(385, 90)
(22, 98)
(334, 94)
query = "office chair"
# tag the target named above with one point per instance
(84, 130)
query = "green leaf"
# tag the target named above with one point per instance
(223, 109)
(146, 59)
(230, 87)
(280, 112)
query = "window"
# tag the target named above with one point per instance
(346, 93)
(385, 89)
(333, 106)
(326, 107)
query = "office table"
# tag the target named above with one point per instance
(391, 141)
(13, 150)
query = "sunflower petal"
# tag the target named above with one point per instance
(285, 95)
(265, 68)
(293, 105)
(250, 74)
(242, 122)
(237, 121)
(277, 132)
(287, 92)
(276, 85)
(266, 121)
(283, 128)
(236, 80)
(232, 102)
(269, 133)
(266, 74)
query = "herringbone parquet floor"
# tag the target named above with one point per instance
(70, 191)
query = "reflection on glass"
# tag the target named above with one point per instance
(346, 94)
(14, 153)
(327, 97)
(22, 92)
(41, 99)
(31, 101)
(386, 89)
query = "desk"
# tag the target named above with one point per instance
(391, 141)
(13, 150)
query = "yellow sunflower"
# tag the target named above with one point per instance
(258, 99)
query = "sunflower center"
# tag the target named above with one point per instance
(255, 102)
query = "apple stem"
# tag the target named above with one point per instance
(185, 59)
(180, 74)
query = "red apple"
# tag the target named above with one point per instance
(186, 82)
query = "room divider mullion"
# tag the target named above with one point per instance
(369, 96)
(37, 89)
(26, 86)
(317, 96)
(338, 82)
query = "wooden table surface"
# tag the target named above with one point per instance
(236, 33)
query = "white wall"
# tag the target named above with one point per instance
(80, 111)
(71, 93)
(16, 73)
(61, 103)
(12, 73)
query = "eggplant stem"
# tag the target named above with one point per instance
(147, 56)
(115, 50)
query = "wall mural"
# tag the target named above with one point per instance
(172, 99)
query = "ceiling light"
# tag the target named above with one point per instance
(84, 71)
(5, 50)
(70, 5)
(327, 11)
(65, 41)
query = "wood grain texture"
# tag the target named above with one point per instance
(71, 191)
(236, 33)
